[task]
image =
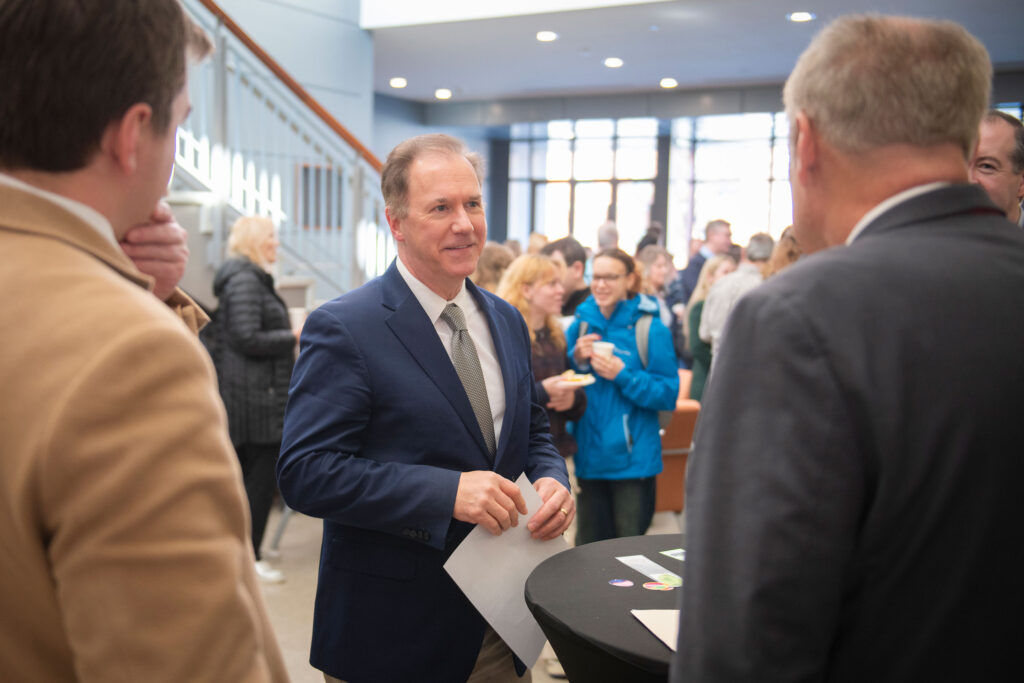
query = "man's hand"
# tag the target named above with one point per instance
(558, 510)
(488, 499)
(585, 347)
(609, 367)
(561, 395)
(159, 249)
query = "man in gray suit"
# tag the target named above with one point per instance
(854, 503)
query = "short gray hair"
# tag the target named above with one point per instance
(394, 175)
(1017, 155)
(869, 81)
(760, 247)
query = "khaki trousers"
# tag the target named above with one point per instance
(494, 664)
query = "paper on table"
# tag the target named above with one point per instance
(663, 623)
(492, 571)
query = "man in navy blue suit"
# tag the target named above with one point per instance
(382, 440)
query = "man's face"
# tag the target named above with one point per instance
(719, 239)
(991, 167)
(443, 233)
(571, 276)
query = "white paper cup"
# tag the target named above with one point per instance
(604, 349)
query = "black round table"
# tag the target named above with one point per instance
(588, 621)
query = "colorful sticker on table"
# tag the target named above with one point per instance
(651, 569)
(621, 583)
(657, 586)
(677, 554)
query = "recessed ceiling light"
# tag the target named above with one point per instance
(546, 36)
(800, 17)
(398, 82)
(613, 62)
(443, 94)
(668, 83)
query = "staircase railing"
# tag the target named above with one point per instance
(262, 144)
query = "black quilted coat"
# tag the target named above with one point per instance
(254, 363)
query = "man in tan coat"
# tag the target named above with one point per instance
(124, 552)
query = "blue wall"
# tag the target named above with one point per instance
(320, 44)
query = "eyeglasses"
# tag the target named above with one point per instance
(610, 277)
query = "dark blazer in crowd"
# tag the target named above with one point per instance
(378, 432)
(256, 352)
(550, 360)
(869, 522)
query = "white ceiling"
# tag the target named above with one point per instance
(700, 43)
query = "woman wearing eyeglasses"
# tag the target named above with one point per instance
(618, 437)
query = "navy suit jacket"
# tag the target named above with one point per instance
(854, 503)
(377, 432)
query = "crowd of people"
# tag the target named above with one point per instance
(853, 497)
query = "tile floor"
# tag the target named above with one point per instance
(291, 603)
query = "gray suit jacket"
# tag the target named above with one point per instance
(855, 509)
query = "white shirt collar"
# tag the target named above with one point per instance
(433, 304)
(889, 203)
(87, 214)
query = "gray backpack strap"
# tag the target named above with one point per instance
(643, 337)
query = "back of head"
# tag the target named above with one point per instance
(760, 247)
(870, 81)
(494, 259)
(607, 236)
(70, 68)
(570, 249)
(536, 243)
(394, 175)
(787, 251)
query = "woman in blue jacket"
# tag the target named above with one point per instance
(618, 437)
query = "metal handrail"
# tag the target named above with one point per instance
(292, 84)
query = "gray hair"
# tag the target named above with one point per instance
(607, 236)
(1017, 155)
(394, 176)
(868, 81)
(760, 247)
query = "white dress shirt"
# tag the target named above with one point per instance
(479, 331)
(89, 215)
(887, 204)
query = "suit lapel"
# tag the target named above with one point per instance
(409, 322)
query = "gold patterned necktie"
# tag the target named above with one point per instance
(467, 365)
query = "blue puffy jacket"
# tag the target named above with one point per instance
(618, 435)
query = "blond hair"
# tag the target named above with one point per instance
(531, 269)
(869, 81)
(248, 235)
(700, 291)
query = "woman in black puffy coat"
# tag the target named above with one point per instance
(254, 364)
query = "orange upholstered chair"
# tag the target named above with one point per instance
(676, 441)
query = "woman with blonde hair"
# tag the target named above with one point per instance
(533, 284)
(494, 259)
(254, 362)
(713, 269)
(787, 251)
